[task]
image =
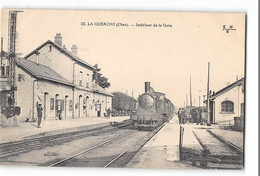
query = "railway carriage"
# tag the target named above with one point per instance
(153, 110)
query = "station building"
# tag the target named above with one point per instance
(59, 80)
(227, 104)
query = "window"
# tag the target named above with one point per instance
(7, 70)
(70, 105)
(87, 81)
(242, 110)
(2, 71)
(52, 104)
(227, 106)
(50, 48)
(80, 83)
(62, 105)
(80, 78)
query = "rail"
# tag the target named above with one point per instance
(89, 149)
(18, 147)
(229, 144)
(149, 136)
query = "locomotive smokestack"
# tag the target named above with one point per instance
(147, 87)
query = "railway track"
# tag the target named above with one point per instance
(114, 158)
(23, 146)
(217, 153)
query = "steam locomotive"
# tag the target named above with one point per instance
(153, 110)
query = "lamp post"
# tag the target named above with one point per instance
(208, 121)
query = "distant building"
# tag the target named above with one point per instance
(228, 103)
(4, 81)
(59, 80)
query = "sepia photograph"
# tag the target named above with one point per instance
(123, 89)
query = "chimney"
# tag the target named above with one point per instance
(58, 39)
(74, 49)
(147, 87)
(37, 57)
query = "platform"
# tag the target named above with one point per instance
(162, 150)
(51, 127)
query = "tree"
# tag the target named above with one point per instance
(99, 79)
(121, 101)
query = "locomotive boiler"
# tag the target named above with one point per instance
(153, 109)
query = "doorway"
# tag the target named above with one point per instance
(86, 110)
(80, 99)
(56, 105)
(45, 105)
(65, 106)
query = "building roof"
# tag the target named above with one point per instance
(227, 88)
(65, 51)
(41, 71)
(96, 88)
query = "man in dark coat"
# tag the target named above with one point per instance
(108, 113)
(179, 115)
(39, 114)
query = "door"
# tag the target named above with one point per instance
(56, 105)
(65, 106)
(80, 97)
(98, 110)
(86, 111)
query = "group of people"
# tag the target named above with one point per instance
(182, 116)
(194, 116)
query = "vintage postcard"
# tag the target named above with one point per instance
(122, 89)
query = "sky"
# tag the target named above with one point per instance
(129, 56)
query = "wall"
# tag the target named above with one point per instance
(86, 102)
(24, 94)
(56, 60)
(237, 97)
(83, 74)
(83, 105)
(105, 102)
(42, 89)
(47, 90)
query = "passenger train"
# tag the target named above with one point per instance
(153, 110)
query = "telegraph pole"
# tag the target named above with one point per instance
(190, 93)
(12, 55)
(238, 104)
(186, 100)
(199, 101)
(131, 105)
(1, 51)
(208, 121)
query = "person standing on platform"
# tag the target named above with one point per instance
(108, 113)
(179, 115)
(39, 113)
